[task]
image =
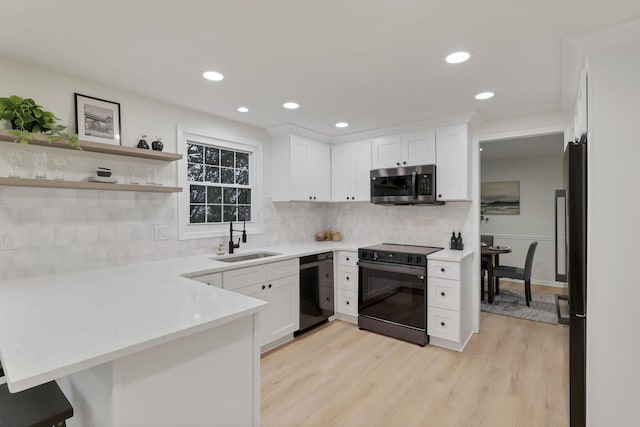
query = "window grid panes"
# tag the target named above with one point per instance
(219, 189)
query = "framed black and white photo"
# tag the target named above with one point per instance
(97, 120)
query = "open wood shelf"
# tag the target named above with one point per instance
(85, 185)
(94, 147)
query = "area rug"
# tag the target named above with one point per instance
(512, 303)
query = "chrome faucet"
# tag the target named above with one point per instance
(233, 245)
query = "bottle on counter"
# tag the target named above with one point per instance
(459, 244)
(454, 241)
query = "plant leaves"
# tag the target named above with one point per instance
(15, 100)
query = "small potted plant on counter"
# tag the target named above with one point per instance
(27, 117)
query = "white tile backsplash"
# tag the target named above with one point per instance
(70, 230)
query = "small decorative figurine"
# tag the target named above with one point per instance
(157, 144)
(143, 143)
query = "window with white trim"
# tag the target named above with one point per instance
(220, 177)
(219, 185)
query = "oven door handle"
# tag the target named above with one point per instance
(315, 264)
(414, 185)
(402, 269)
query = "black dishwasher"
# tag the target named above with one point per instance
(316, 290)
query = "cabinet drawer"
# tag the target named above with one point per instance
(348, 258)
(443, 323)
(443, 293)
(276, 270)
(234, 279)
(444, 269)
(348, 278)
(347, 302)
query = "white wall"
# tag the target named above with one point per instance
(613, 237)
(60, 230)
(539, 178)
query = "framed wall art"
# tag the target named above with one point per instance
(97, 120)
(500, 198)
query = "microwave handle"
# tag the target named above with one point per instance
(414, 184)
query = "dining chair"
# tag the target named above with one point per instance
(488, 240)
(505, 271)
(41, 406)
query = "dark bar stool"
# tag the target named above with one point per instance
(41, 406)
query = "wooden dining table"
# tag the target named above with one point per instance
(491, 254)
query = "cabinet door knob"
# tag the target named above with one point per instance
(404, 163)
(314, 197)
(347, 197)
(442, 293)
(439, 196)
(263, 286)
(397, 163)
(353, 198)
(441, 323)
(310, 197)
(348, 278)
(269, 285)
(347, 302)
(347, 258)
(442, 269)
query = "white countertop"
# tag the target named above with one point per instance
(52, 326)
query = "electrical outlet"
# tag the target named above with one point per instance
(6, 241)
(161, 232)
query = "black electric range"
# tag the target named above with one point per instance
(392, 285)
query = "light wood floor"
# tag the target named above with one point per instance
(514, 373)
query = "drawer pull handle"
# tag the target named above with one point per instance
(442, 293)
(441, 323)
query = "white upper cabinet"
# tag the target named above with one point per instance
(386, 151)
(452, 163)
(418, 148)
(301, 169)
(350, 166)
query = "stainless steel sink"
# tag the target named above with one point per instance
(244, 257)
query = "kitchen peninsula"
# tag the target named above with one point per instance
(135, 344)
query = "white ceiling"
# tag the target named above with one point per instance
(535, 146)
(373, 63)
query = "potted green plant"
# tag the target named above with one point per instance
(26, 117)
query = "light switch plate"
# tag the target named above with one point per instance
(161, 232)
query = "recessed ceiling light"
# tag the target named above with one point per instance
(291, 105)
(481, 149)
(484, 95)
(458, 57)
(243, 109)
(342, 124)
(213, 76)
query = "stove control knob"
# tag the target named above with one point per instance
(409, 259)
(363, 255)
(419, 260)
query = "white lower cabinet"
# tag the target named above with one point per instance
(449, 322)
(347, 286)
(278, 284)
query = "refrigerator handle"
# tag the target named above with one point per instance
(561, 235)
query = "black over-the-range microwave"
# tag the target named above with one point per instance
(407, 185)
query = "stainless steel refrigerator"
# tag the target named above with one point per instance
(571, 266)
